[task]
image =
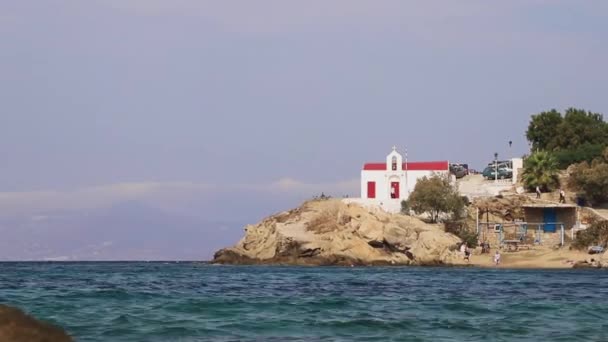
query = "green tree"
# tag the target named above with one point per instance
(435, 195)
(591, 180)
(540, 169)
(543, 128)
(579, 128)
(576, 136)
(576, 155)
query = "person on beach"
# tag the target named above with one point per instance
(485, 247)
(497, 258)
(466, 252)
(562, 196)
(538, 191)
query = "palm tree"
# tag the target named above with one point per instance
(540, 169)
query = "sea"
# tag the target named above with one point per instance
(190, 301)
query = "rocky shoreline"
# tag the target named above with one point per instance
(330, 232)
(333, 233)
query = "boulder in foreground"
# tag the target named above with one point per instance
(16, 326)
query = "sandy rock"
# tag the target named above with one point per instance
(586, 264)
(399, 237)
(502, 207)
(330, 232)
(15, 325)
(370, 229)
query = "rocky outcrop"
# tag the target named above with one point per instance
(592, 263)
(501, 208)
(330, 232)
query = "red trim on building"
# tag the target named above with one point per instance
(411, 166)
(371, 189)
(375, 166)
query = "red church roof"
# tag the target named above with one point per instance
(411, 166)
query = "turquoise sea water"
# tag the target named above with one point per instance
(197, 302)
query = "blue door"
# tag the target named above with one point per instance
(550, 217)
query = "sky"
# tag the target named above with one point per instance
(215, 114)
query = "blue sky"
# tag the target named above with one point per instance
(233, 110)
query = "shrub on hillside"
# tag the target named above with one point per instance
(591, 180)
(595, 235)
(435, 195)
(587, 152)
(461, 230)
(405, 207)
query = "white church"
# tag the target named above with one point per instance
(388, 183)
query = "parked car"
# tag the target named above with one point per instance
(458, 170)
(464, 166)
(503, 173)
(502, 163)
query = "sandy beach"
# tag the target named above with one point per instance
(536, 257)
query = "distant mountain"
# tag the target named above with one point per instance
(128, 231)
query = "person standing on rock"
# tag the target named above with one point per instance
(538, 192)
(562, 196)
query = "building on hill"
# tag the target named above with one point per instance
(386, 184)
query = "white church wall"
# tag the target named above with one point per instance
(393, 170)
(383, 181)
(518, 164)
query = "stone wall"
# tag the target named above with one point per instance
(533, 216)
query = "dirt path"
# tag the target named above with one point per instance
(474, 186)
(600, 212)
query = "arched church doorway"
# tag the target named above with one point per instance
(394, 189)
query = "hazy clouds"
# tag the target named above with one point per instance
(212, 108)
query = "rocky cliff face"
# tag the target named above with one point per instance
(330, 232)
